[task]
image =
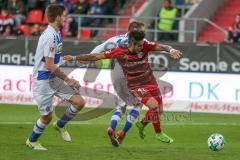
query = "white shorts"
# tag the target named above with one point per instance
(45, 90)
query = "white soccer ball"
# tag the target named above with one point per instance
(216, 142)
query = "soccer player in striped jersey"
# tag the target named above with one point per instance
(46, 75)
(139, 77)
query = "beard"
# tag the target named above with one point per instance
(60, 25)
(134, 53)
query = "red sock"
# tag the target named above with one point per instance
(146, 119)
(155, 119)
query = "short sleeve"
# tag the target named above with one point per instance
(50, 47)
(116, 53)
(151, 46)
(107, 45)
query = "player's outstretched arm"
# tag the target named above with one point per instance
(175, 54)
(49, 64)
(85, 57)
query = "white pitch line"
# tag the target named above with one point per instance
(203, 124)
(164, 124)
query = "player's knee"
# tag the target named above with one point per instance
(154, 105)
(79, 103)
(46, 119)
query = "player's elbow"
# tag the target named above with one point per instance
(49, 64)
(49, 67)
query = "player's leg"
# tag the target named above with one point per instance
(133, 114)
(153, 98)
(45, 107)
(156, 92)
(116, 116)
(121, 108)
(142, 124)
(153, 113)
(121, 91)
(155, 109)
(131, 117)
(77, 103)
(120, 87)
(146, 119)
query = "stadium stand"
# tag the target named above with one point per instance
(6, 22)
(23, 29)
(33, 13)
(17, 9)
(130, 9)
(34, 16)
(224, 18)
(26, 16)
(166, 25)
(234, 30)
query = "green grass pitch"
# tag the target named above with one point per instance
(90, 142)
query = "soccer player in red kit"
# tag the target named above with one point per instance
(139, 76)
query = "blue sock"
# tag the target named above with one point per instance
(63, 121)
(115, 118)
(67, 116)
(34, 136)
(134, 113)
(37, 131)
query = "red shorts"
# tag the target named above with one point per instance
(147, 92)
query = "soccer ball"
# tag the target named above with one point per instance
(216, 142)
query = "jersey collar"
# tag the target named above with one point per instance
(51, 28)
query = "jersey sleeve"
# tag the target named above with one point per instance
(151, 46)
(116, 53)
(49, 47)
(105, 46)
(98, 49)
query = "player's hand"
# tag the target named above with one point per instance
(68, 58)
(175, 54)
(73, 83)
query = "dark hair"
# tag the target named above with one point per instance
(135, 26)
(169, 1)
(135, 36)
(54, 10)
(4, 9)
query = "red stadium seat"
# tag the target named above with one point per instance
(35, 16)
(24, 28)
(84, 34)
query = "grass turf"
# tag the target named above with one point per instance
(90, 141)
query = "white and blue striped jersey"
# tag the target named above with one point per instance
(49, 45)
(112, 43)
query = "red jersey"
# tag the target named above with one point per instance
(135, 67)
